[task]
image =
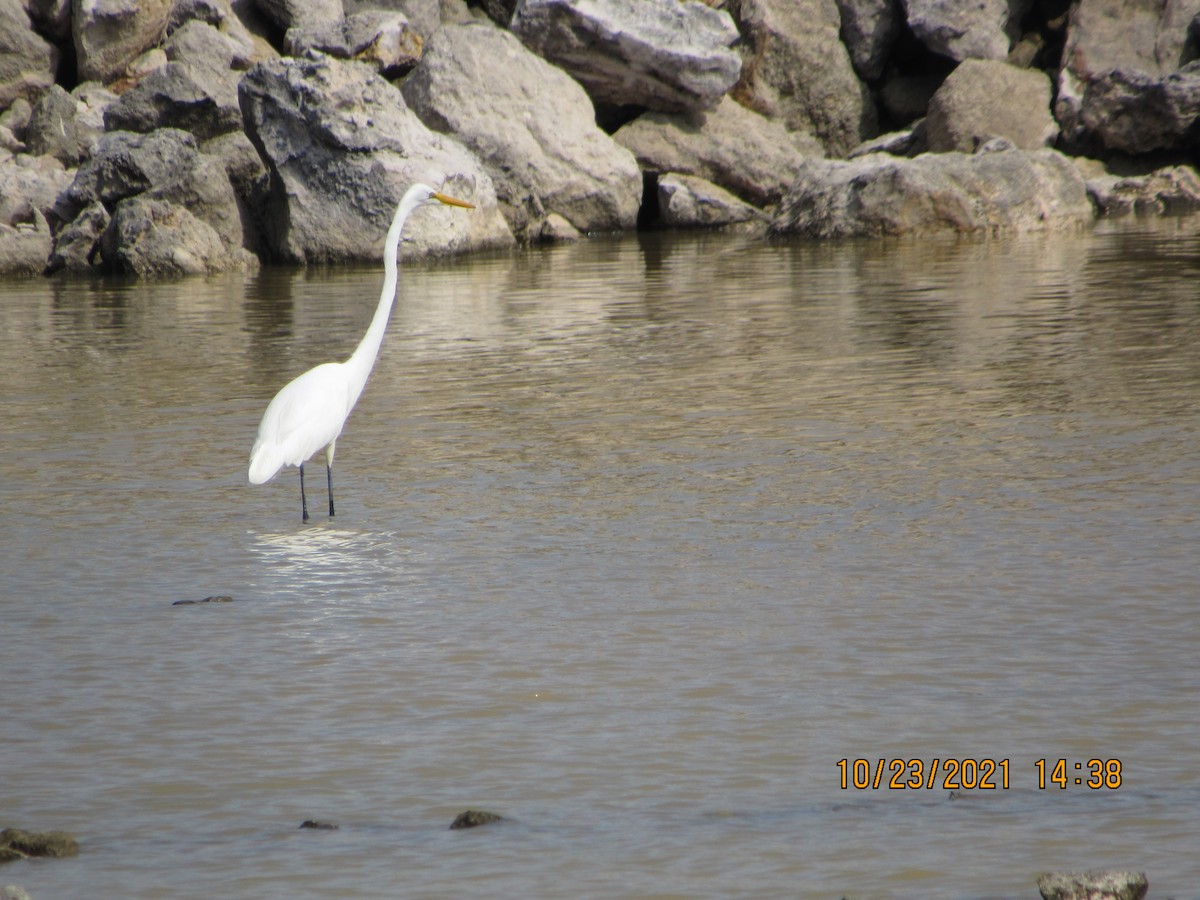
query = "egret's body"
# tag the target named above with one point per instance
(307, 415)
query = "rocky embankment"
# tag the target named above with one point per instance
(161, 137)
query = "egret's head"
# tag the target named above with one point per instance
(426, 195)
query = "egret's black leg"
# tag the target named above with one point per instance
(303, 500)
(329, 479)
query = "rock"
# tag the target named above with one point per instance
(1131, 112)
(56, 844)
(166, 167)
(29, 183)
(1171, 190)
(740, 150)
(342, 147)
(308, 823)
(202, 44)
(1149, 39)
(52, 129)
(557, 230)
(904, 98)
(155, 238)
(984, 29)
(301, 13)
(547, 157)
(27, 63)
(12, 891)
(798, 71)
(669, 56)
(1009, 191)
(382, 40)
(473, 818)
(982, 99)
(424, 16)
(907, 142)
(77, 245)
(51, 18)
(196, 97)
(685, 201)
(109, 35)
(16, 118)
(1110, 885)
(247, 46)
(24, 250)
(869, 29)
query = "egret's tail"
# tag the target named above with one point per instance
(263, 464)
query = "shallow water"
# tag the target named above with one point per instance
(636, 539)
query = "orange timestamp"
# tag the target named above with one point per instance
(985, 774)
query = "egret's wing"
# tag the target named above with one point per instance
(304, 417)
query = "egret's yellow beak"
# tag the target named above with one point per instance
(453, 201)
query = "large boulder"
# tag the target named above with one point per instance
(984, 29)
(29, 184)
(797, 70)
(25, 247)
(301, 13)
(752, 156)
(27, 63)
(110, 34)
(1145, 39)
(165, 166)
(1132, 112)
(984, 99)
(989, 192)
(342, 147)
(869, 29)
(662, 55)
(685, 201)
(545, 157)
(155, 238)
(196, 97)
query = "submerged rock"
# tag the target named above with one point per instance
(218, 598)
(37, 843)
(1098, 885)
(473, 818)
(314, 825)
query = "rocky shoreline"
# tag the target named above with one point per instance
(169, 137)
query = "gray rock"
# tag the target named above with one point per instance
(27, 63)
(1170, 190)
(1149, 39)
(1011, 191)
(383, 40)
(247, 45)
(193, 96)
(29, 183)
(165, 166)
(546, 157)
(1131, 112)
(664, 56)
(77, 245)
(25, 248)
(685, 201)
(301, 13)
(1106, 885)
(342, 147)
(557, 230)
(473, 818)
(156, 238)
(906, 97)
(752, 156)
(58, 844)
(423, 15)
(869, 29)
(202, 44)
(53, 127)
(982, 99)
(906, 142)
(980, 30)
(109, 36)
(51, 18)
(798, 71)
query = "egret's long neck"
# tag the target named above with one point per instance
(363, 359)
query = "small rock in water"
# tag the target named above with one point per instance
(217, 598)
(18, 844)
(319, 826)
(473, 818)
(1096, 885)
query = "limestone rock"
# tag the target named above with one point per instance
(154, 238)
(383, 40)
(685, 201)
(1131, 112)
(740, 150)
(27, 62)
(25, 248)
(669, 56)
(77, 245)
(342, 148)
(869, 29)
(29, 183)
(982, 99)
(195, 97)
(980, 30)
(1170, 190)
(1007, 191)
(301, 13)
(798, 71)
(110, 34)
(544, 157)
(424, 16)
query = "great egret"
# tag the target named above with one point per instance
(307, 415)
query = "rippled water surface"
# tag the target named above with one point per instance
(636, 539)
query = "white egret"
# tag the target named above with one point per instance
(307, 415)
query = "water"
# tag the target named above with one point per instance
(636, 539)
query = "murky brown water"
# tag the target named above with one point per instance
(636, 540)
